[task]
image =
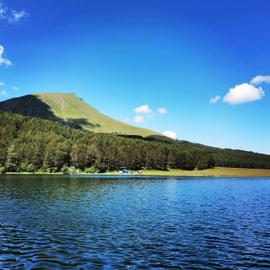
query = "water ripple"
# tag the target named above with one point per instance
(81, 223)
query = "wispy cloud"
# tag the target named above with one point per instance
(3, 93)
(170, 134)
(145, 113)
(139, 119)
(18, 15)
(260, 79)
(4, 61)
(162, 110)
(10, 15)
(2, 83)
(15, 88)
(214, 99)
(243, 93)
(144, 109)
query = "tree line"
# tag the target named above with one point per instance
(33, 144)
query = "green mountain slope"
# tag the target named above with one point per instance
(71, 110)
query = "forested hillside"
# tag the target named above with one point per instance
(33, 144)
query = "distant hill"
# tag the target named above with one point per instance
(67, 108)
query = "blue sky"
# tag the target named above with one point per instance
(188, 67)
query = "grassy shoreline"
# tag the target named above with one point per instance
(218, 171)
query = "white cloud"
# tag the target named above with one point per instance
(144, 109)
(214, 99)
(243, 93)
(3, 93)
(170, 134)
(15, 88)
(4, 61)
(127, 119)
(144, 113)
(162, 110)
(3, 10)
(260, 79)
(18, 15)
(139, 119)
(10, 15)
(2, 83)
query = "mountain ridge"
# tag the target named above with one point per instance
(69, 109)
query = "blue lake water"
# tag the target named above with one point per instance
(62, 222)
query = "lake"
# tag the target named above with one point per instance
(79, 222)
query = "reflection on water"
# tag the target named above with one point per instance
(59, 222)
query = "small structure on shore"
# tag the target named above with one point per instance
(124, 171)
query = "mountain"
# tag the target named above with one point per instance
(28, 136)
(67, 108)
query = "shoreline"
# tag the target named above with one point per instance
(216, 172)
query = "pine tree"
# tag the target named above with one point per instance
(12, 158)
